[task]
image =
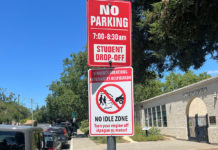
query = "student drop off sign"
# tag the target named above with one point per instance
(111, 102)
(109, 27)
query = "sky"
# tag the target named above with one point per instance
(36, 36)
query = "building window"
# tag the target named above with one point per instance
(164, 115)
(146, 117)
(159, 116)
(154, 116)
(150, 117)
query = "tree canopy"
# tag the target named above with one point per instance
(70, 92)
(174, 81)
(154, 87)
(174, 33)
(10, 110)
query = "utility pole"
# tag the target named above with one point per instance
(18, 109)
(32, 109)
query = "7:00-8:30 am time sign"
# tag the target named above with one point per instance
(109, 25)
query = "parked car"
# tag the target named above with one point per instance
(68, 125)
(74, 128)
(52, 142)
(21, 138)
(61, 134)
(67, 128)
(44, 126)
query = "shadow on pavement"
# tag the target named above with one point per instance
(66, 146)
(80, 136)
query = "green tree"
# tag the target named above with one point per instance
(153, 87)
(147, 89)
(145, 61)
(10, 110)
(175, 81)
(70, 93)
(173, 33)
(41, 115)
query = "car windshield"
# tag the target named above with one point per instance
(10, 140)
(48, 138)
(57, 131)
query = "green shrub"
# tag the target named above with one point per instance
(153, 134)
(154, 131)
(84, 124)
(85, 127)
(23, 120)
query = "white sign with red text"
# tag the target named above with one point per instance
(111, 102)
(109, 29)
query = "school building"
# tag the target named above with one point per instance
(188, 113)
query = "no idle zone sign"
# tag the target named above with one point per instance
(109, 29)
(111, 102)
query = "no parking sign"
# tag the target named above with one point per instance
(109, 33)
(111, 102)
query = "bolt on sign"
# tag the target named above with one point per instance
(109, 28)
(111, 102)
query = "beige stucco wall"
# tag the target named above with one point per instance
(176, 116)
(197, 107)
(177, 107)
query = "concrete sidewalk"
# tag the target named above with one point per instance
(163, 145)
(82, 142)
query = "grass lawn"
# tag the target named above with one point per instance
(141, 138)
(153, 134)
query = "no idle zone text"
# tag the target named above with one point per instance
(111, 118)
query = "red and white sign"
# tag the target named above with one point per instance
(111, 102)
(109, 27)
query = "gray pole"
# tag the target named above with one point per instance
(32, 109)
(111, 143)
(18, 110)
(111, 140)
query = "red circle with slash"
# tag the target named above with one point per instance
(102, 89)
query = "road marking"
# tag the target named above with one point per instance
(71, 144)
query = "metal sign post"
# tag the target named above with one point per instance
(111, 143)
(111, 140)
